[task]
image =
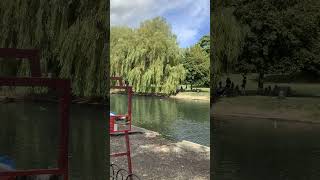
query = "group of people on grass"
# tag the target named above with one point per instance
(230, 89)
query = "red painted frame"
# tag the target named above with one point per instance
(129, 91)
(31, 54)
(63, 88)
(129, 116)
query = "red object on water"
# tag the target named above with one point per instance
(128, 117)
(63, 87)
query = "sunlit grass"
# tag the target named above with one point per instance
(298, 88)
(288, 108)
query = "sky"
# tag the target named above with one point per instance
(189, 19)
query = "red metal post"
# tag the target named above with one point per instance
(128, 152)
(63, 86)
(129, 104)
(129, 116)
(31, 54)
(64, 139)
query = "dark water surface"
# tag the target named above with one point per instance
(261, 149)
(29, 133)
(172, 118)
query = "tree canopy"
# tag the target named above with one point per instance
(228, 37)
(71, 35)
(148, 57)
(273, 37)
(204, 43)
(196, 63)
(284, 35)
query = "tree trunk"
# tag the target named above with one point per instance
(191, 87)
(260, 81)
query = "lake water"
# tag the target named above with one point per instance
(175, 119)
(261, 149)
(29, 134)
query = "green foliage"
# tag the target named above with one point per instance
(284, 36)
(197, 62)
(148, 57)
(70, 34)
(228, 37)
(204, 43)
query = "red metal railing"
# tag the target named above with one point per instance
(63, 88)
(127, 116)
(31, 54)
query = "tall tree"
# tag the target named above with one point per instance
(196, 63)
(148, 57)
(72, 36)
(227, 42)
(284, 35)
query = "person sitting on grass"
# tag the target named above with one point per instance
(243, 85)
(228, 86)
(236, 90)
(220, 89)
(232, 89)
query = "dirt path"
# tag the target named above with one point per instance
(155, 157)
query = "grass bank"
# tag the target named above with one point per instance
(300, 86)
(293, 108)
(196, 94)
(187, 94)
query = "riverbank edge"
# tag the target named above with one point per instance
(48, 99)
(184, 144)
(277, 118)
(189, 97)
(156, 157)
(176, 96)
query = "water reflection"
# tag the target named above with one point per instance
(29, 133)
(259, 149)
(176, 119)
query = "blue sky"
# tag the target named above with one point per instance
(189, 19)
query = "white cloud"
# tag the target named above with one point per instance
(185, 16)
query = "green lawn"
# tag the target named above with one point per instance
(264, 106)
(188, 92)
(298, 88)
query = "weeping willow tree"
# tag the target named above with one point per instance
(148, 57)
(72, 36)
(227, 42)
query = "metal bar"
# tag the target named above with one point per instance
(119, 154)
(117, 79)
(129, 116)
(31, 54)
(118, 87)
(63, 86)
(55, 171)
(64, 138)
(129, 103)
(128, 152)
(34, 81)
